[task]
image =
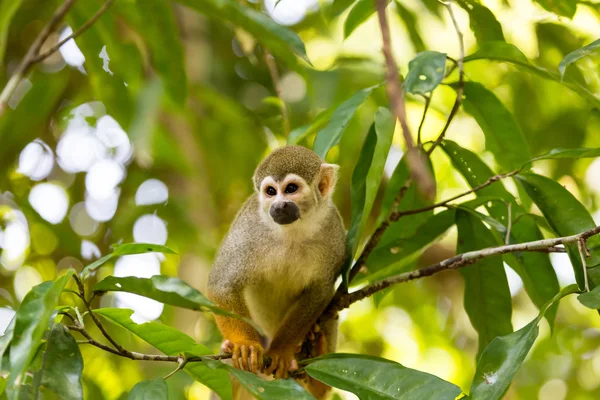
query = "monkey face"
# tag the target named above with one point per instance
(288, 200)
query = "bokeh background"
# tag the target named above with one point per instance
(95, 150)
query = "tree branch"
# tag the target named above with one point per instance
(27, 62)
(455, 262)
(272, 66)
(427, 102)
(414, 158)
(78, 32)
(461, 79)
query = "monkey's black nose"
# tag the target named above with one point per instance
(284, 212)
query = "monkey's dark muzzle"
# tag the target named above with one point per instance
(284, 212)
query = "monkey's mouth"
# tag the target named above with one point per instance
(284, 212)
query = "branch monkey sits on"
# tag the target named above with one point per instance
(279, 261)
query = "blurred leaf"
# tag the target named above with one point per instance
(154, 389)
(113, 77)
(31, 321)
(410, 23)
(576, 55)
(122, 250)
(568, 153)
(281, 41)
(360, 12)
(368, 173)
(278, 389)
(506, 52)
(487, 296)
(425, 72)
(172, 342)
(165, 289)
(300, 133)
(332, 133)
(567, 216)
(590, 299)
(373, 378)
(62, 366)
(566, 8)
(8, 8)
(483, 22)
(535, 269)
(503, 136)
(155, 21)
(504, 355)
(147, 111)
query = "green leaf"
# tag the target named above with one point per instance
(535, 269)
(487, 296)
(172, 342)
(114, 80)
(332, 133)
(155, 21)
(483, 23)
(281, 41)
(591, 299)
(373, 378)
(368, 173)
(123, 250)
(502, 358)
(425, 72)
(410, 23)
(31, 321)
(506, 52)
(300, 133)
(577, 55)
(62, 365)
(7, 10)
(278, 389)
(503, 136)
(360, 12)
(566, 8)
(154, 389)
(567, 216)
(568, 153)
(165, 289)
(6, 338)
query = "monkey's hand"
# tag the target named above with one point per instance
(247, 355)
(283, 361)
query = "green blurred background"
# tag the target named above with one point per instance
(149, 126)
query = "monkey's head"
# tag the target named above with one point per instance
(293, 182)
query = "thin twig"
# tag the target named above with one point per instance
(181, 363)
(581, 245)
(395, 216)
(78, 32)
(427, 102)
(509, 224)
(33, 51)
(414, 158)
(461, 79)
(272, 66)
(458, 261)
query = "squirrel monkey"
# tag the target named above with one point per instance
(279, 261)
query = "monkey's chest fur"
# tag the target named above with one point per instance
(283, 273)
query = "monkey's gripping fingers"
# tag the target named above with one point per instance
(282, 362)
(246, 355)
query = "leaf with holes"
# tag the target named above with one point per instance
(425, 72)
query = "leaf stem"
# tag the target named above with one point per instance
(427, 102)
(582, 246)
(272, 66)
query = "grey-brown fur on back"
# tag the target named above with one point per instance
(289, 160)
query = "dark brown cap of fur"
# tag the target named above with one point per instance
(288, 160)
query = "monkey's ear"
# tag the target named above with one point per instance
(327, 178)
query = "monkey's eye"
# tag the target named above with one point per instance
(291, 188)
(271, 191)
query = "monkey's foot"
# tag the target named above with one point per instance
(247, 355)
(283, 361)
